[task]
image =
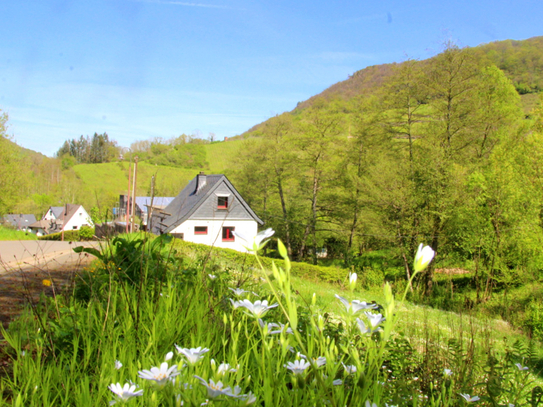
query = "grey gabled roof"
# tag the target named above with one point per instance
(57, 211)
(189, 200)
(158, 201)
(20, 220)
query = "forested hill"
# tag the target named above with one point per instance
(521, 61)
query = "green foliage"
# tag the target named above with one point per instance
(64, 344)
(181, 155)
(135, 260)
(7, 233)
(231, 258)
(98, 149)
(83, 234)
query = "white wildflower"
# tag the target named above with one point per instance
(124, 393)
(192, 355)
(159, 375)
(424, 256)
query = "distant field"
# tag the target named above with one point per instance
(104, 183)
(219, 155)
(10, 234)
(110, 180)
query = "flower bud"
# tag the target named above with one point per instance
(423, 257)
(352, 281)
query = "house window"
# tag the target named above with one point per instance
(200, 230)
(222, 202)
(178, 236)
(75, 227)
(227, 235)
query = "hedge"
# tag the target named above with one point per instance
(84, 234)
(230, 257)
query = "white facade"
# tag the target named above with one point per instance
(80, 218)
(215, 232)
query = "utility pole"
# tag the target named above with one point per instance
(134, 193)
(150, 209)
(127, 214)
(63, 217)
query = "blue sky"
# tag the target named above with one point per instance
(139, 69)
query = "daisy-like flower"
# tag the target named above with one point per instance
(193, 355)
(159, 375)
(520, 367)
(354, 306)
(124, 393)
(223, 368)
(447, 372)
(238, 291)
(212, 276)
(368, 404)
(168, 356)
(375, 319)
(362, 327)
(424, 256)
(271, 325)
(255, 243)
(469, 398)
(337, 382)
(257, 310)
(320, 361)
(248, 398)
(297, 367)
(349, 369)
(118, 365)
(215, 390)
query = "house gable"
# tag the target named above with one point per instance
(199, 201)
(213, 206)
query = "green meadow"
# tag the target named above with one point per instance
(159, 322)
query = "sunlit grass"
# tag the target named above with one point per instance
(11, 234)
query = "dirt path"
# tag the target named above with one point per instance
(21, 280)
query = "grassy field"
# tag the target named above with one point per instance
(213, 325)
(11, 234)
(107, 181)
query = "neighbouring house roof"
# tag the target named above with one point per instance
(190, 199)
(57, 211)
(158, 202)
(42, 224)
(19, 221)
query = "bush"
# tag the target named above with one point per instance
(84, 234)
(231, 257)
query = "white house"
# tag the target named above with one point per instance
(207, 211)
(59, 218)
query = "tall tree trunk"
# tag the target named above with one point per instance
(285, 212)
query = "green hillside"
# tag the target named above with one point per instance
(521, 61)
(101, 184)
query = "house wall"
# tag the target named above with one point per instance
(214, 232)
(80, 218)
(49, 215)
(37, 231)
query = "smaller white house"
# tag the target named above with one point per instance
(59, 218)
(207, 211)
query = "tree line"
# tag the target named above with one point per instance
(89, 150)
(442, 154)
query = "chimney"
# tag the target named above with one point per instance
(200, 181)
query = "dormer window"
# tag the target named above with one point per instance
(222, 202)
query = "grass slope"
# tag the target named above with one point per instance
(105, 182)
